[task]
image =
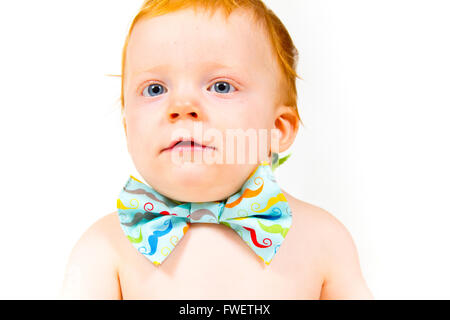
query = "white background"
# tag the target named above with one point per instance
(374, 151)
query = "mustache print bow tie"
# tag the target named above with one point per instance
(154, 224)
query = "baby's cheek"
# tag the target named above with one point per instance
(141, 143)
(141, 129)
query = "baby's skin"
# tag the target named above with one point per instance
(177, 65)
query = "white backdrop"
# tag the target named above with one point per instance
(374, 151)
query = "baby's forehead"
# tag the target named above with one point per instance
(186, 39)
(186, 26)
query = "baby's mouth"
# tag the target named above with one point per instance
(186, 145)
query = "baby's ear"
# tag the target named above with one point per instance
(287, 124)
(124, 125)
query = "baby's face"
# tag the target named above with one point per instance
(193, 75)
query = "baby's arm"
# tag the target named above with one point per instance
(91, 272)
(343, 276)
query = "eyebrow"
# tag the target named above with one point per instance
(166, 66)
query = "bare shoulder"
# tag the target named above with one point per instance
(315, 222)
(106, 227)
(100, 236)
(337, 253)
(91, 271)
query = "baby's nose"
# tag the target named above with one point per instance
(184, 111)
(175, 115)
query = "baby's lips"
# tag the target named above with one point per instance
(178, 140)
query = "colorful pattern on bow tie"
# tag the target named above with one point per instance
(154, 224)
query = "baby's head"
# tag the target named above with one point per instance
(219, 72)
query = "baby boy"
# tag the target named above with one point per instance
(192, 71)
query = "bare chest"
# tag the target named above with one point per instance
(212, 262)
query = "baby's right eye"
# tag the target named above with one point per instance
(153, 90)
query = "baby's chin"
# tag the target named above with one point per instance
(198, 182)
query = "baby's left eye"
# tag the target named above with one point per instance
(222, 86)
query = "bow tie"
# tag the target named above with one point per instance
(154, 224)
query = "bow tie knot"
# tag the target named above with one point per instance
(205, 212)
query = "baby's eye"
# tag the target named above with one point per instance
(156, 89)
(153, 90)
(222, 86)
